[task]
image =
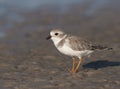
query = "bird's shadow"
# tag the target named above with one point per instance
(101, 64)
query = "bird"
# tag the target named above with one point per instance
(73, 46)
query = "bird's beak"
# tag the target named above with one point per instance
(47, 38)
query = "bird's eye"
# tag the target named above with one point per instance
(56, 34)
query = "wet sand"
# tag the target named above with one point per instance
(29, 61)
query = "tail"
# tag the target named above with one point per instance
(99, 47)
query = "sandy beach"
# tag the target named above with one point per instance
(29, 61)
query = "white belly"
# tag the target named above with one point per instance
(68, 51)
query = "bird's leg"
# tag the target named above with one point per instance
(73, 65)
(78, 65)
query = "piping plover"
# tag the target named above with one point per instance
(73, 46)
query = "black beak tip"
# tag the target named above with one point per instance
(47, 38)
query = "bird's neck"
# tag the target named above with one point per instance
(57, 40)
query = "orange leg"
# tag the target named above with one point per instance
(73, 65)
(78, 65)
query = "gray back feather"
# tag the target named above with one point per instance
(78, 44)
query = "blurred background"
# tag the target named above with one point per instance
(44, 14)
(24, 25)
(19, 18)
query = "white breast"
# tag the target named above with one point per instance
(70, 52)
(65, 49)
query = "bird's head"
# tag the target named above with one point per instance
(56, 35)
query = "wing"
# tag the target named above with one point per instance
(78, 44)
